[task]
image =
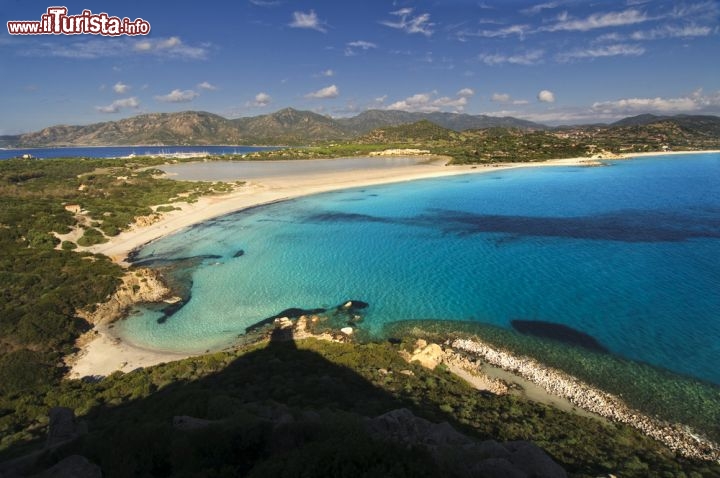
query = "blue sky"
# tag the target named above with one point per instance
(552, 61)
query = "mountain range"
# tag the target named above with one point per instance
(294, 127)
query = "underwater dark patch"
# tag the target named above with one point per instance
(558, 332)
(625, 226)
(163, 261)
(335, 216)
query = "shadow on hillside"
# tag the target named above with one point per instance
(279, 411)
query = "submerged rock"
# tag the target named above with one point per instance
(353, 305)
(239, 253)
(291, 313)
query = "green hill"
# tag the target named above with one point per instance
(420, 132)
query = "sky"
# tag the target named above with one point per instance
(555, 62)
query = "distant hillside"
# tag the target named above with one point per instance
(287, 126)
(653, 133)
(422, 131)
(189, 127)
(294, 127)
(373, 119)
(699, 124)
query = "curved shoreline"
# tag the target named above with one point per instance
(675, 436)
(107, 353)
(103, 355)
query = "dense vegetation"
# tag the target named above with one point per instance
(42, 286)
(503, 144)
(325, 389)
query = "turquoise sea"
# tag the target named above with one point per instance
(627, 253)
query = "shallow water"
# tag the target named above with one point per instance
(626, 254)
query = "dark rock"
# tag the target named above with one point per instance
(491, 448)
(498, 468)
(460, 454)
(353, 305)
(559, 332)
(62, 427)
(291, 313)
(394, 340)
(74, 466)
(533, 460)
(239, 253)
(184, 422)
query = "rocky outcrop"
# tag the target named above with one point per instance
(427, 355)
(63, 427)
(677, 437)
(461, 454)
(431, 355)
(74, 466)
(138, 286)
(145, 221)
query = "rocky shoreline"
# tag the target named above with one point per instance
(677, 437)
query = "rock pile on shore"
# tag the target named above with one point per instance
(675, 436)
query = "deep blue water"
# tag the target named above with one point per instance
(628, 253)
(123, 151)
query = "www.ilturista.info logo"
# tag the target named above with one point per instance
(57, 22)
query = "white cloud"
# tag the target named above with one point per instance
(695, 102)
(534, 10)
(172, 47)
(327, 73)
(519, 30)
(352, 46)
(265, 3)
(609, 37)
(117, 105)
(599, 20)
(262, 99)
(602, 51)
(546, 96)
(465, 93)
(506, 98)
(207, 86)
(409, 23)
(669, 31)
(527, 58)
(82, 49)
(701, 10)
(428, 103)
(178, 96)
(308, 20)
(120, 88)
(328, 92)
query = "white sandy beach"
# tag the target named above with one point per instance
(106, 354)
